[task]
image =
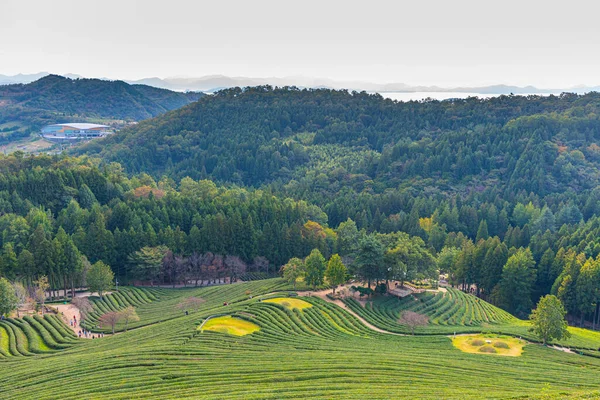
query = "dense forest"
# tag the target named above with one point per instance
(24, 108)
(500, 195)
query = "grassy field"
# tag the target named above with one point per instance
(489, 345)
(230, 325)
(290, 303)
(320, 351)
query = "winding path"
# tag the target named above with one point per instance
(69, 311)
(323, 295)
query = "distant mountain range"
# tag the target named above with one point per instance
(28, 78)
(212, 83)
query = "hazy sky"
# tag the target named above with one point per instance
(545, 43)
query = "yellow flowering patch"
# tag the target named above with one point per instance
(230, 325)
(290, 303)
(489, 344)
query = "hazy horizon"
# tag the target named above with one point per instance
(431, 43)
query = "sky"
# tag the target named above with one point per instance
(549, 44)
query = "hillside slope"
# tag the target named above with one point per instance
(264, 135)
(54, 99)
(316, 352)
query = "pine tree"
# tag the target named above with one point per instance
(482, 231)
(86, 197)
(515, 286)
(8, 262)
(588, 287)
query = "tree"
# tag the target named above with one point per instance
(8, 261)
(99, 278)
(545, 221)
(111, 319)
(40, 291)
(515, 286)
(128, 314)
(548, 319)
(493, 264)
(86, 197)
(410, 260)
(43, 251)
(348, 236)
(447, 258)
(84, 306)
(8, 298)
(335, 272)
(191, 303)
(99, 241)
(565, 286)
(73, 264)
(235, 267)
(413, 320)
(370, 259)
(315, 268)
(293, 270)
(482, 231)
(169, 268)
(26, 264)
(148, 261)
(588, 287)
(21, 294)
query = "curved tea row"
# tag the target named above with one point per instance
(34, 335)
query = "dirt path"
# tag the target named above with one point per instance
(69, 311)
(323, 295)
(559, 348)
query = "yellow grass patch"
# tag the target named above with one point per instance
(230, 325)
(290, 303)
(496, 345)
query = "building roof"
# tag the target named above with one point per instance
(81, 125)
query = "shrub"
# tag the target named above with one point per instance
(487, 349)
(477, 342)
(501, 345)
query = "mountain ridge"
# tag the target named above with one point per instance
(215, 82)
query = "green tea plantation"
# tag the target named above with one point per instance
(248, 341)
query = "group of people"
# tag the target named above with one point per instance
(88, 334)
(73, 322)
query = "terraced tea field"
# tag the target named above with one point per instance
(321, 351)
(28, 336)
(445, 310)
(455, 312)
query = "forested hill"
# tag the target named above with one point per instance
(55, 99)
(503, 193)
(262, 135)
